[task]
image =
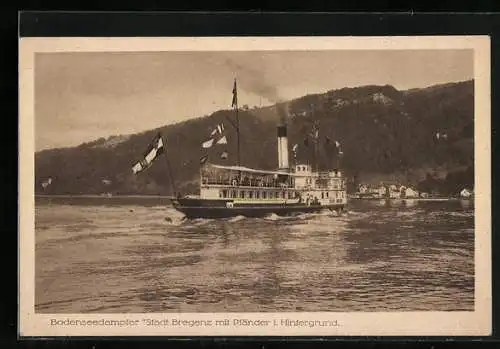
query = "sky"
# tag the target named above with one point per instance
(82, 96)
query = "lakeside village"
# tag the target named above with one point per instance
(398, 191)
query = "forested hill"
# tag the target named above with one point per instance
(419, 136)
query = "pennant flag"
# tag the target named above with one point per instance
(224, 155)
(154, 149)
(223, 140)
(294, 150)
(235, 95)
(315, 130)
(203, 159)
(337, 145)
(208, 143)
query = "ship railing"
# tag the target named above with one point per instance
(245, 183)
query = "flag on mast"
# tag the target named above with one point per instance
(294, 150)
(315, 130)
(339, 149)
(208, 144)
(235, 95)
(154, 149)
(223, 140)
(219, 129)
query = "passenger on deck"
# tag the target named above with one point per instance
(246, 181)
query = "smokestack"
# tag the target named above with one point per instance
(282, 147)
(282, 141)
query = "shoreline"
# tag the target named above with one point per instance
(413, 199)
(93, 196)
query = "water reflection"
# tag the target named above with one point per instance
(377, 257)
(268, 285)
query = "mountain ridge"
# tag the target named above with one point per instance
(383, 132)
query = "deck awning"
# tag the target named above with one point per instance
(251, 170)
(264, 172)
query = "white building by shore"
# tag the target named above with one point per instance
(466, 193)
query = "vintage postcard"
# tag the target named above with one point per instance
(263, 186)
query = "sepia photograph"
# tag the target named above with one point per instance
(287, 186)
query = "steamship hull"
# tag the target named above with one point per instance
(205, 208)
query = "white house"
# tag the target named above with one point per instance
(394, 193)
(411, 193)
(466, 193)
(46, 183)
(363, 188)
(381, 191)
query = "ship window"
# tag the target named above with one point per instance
(224, 193)
(326, 194)
(250, 194)
(276, 194)
(233, 194)
(322, 194)
(264, 194)
(257, 194)
(242, 194)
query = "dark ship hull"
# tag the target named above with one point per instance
(225, 208)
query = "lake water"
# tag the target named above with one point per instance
(113, 255)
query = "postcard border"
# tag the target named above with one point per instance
(353, 324)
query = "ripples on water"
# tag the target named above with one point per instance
(116, 257)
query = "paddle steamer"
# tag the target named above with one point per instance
(227, 191)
